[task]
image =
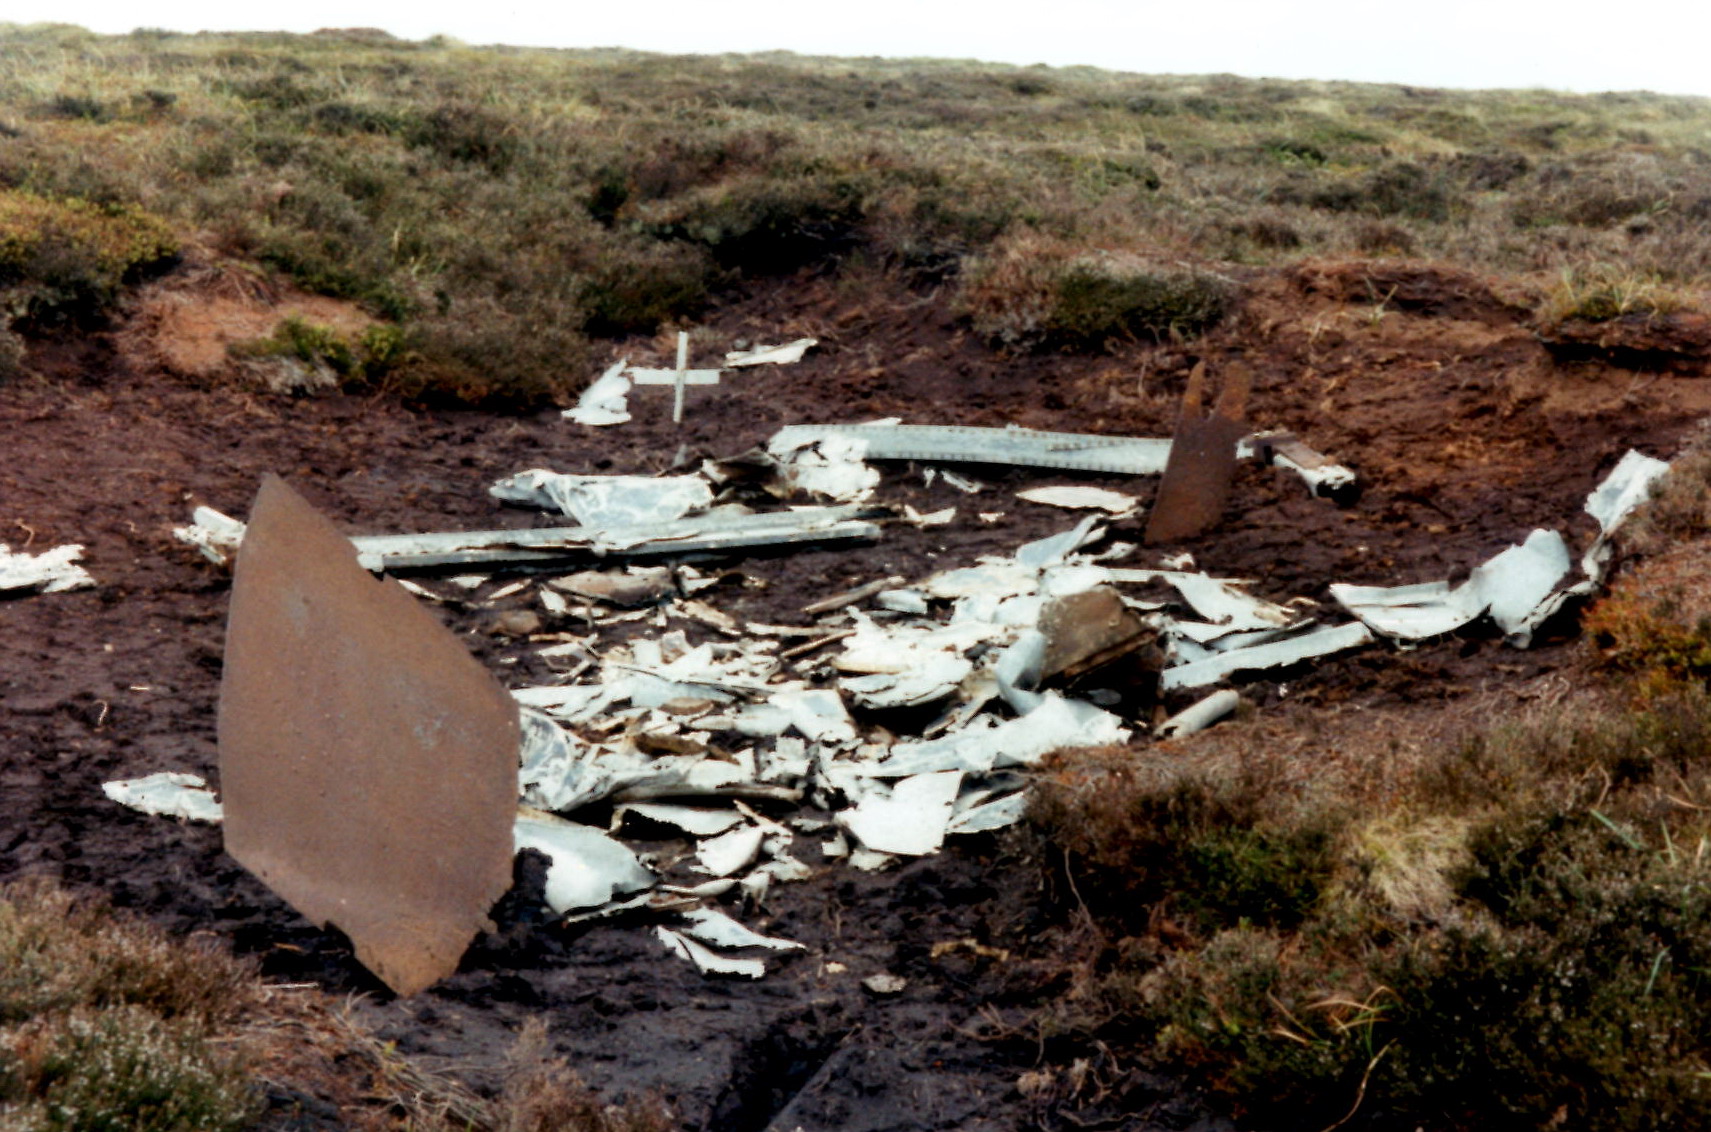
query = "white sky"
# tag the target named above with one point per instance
(1578, 45)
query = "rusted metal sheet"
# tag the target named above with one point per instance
(1196, 481)
(1088, 630)
(368, 763)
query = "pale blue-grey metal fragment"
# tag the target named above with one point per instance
(1517, 588)
(606, 501)
(1200, 715)
(710, 533)
(52, 571)
(1276, 654)
(167, 794)
(588, 868)
(605, 401)
(964, 444)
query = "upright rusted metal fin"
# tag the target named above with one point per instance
(368, 764)
(1196, 481)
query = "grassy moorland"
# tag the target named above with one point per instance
(500, 207)
(1510, 930)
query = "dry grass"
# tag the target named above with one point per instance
(1604, 291)
(108, 1025)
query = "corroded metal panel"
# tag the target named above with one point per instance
(1196, 482)
(1088, 630)
(368, 763)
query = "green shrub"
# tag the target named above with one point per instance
(1397, 188)
(1256, 1021)
(633, 286)
(1216, 850)
(69, 257)
(764, 224)
(1559, 980)
(12, 352)
(106, 1025)
(1105, 296)
(468, 133)
(1037, 291)
(1679, 509)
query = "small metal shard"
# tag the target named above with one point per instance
(1323, 478)
(1196, 482)
(1200, 715)
(1274, 654)
(167, 794)
(368, 763)
(605, 401)
(1082, 497)
(588, 869)
(50, 572)
(788, 354)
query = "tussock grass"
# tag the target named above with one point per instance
(1602, 292)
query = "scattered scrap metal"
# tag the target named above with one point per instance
(745, 742)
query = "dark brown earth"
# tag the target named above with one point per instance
(1467, 431)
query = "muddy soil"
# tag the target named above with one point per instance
(1467, 432)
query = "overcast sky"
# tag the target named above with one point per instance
(1564, 45)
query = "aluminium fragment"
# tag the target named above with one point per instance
(1276, 654)
(1120, 455)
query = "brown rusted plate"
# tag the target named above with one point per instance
(1196, 481)
(1088, 630)
(368, 764)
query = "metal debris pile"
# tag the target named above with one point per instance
(896, 715)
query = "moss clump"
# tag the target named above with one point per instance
(62, 257)
(1103, 297)
(352, 360)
